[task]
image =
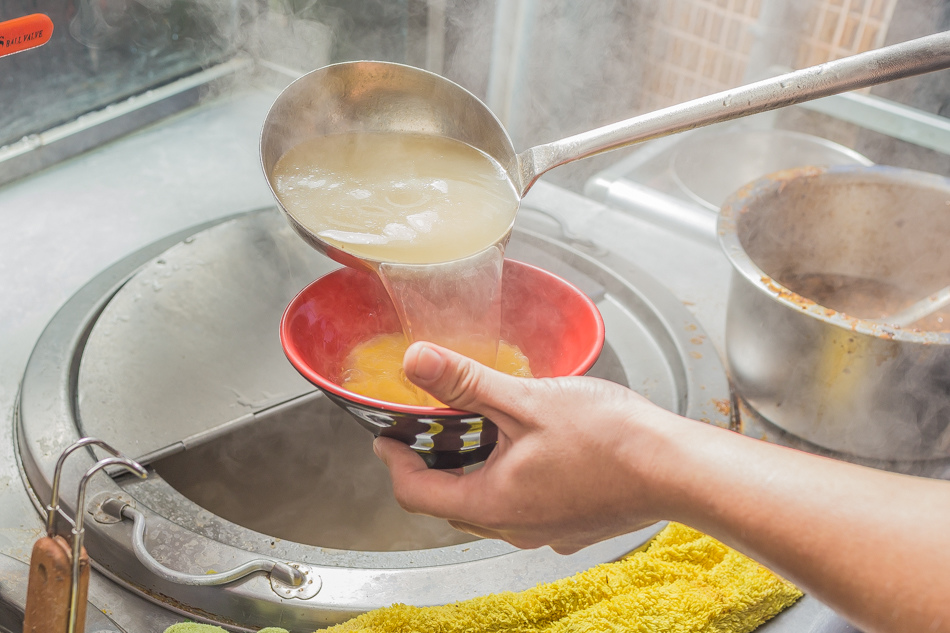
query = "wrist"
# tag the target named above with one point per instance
(670, 462)
(654, 455)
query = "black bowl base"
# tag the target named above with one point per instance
(444, 460)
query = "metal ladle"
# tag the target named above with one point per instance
(380, 97)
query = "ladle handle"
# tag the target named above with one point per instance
(907, 59)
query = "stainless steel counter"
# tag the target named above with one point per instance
(60, 227)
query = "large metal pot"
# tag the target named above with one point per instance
(844, 382)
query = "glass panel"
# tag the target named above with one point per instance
(103, 51)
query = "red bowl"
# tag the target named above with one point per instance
(554, 324)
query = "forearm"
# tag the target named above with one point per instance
(580, 460)
(873, 545)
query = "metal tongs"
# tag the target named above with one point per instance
(59, 566)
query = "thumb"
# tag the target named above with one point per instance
(459, 381)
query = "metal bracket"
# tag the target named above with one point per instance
(308, 589)
(106, 507)
(288, 580)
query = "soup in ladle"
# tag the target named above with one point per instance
(433, 215)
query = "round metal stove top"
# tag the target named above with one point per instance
(172, 356)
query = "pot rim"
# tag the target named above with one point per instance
(742, 202)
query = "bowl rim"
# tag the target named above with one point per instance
(740, 202)
(424, 412)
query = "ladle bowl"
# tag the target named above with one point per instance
(375, 97)
(371, 97)
(555, 325)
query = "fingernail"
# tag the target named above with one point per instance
(429, 364)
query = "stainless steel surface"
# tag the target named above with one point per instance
(326, 489)
(662, 180)
(200, 322)
(895, 120)
(656, 207)
(654, 346)
(915, 57)
(848, 384)
(37, 151)
(750, 422)
(376, 96)
(289, 577)
(381, 96)
(643, 183)
(83, 216)
(13, 583)
(194, 323)
(200, 167)
(708, 168)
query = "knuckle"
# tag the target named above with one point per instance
(464, 389)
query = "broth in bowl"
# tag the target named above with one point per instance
(556, 326)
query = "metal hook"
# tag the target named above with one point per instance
(53, 509)
(78, 529)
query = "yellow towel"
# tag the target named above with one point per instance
(683, 581)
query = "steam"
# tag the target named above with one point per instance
(556, 68)
(307, 475)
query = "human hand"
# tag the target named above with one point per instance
(571, 466)
(580, 460)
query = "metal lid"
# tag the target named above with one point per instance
(187, 349)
